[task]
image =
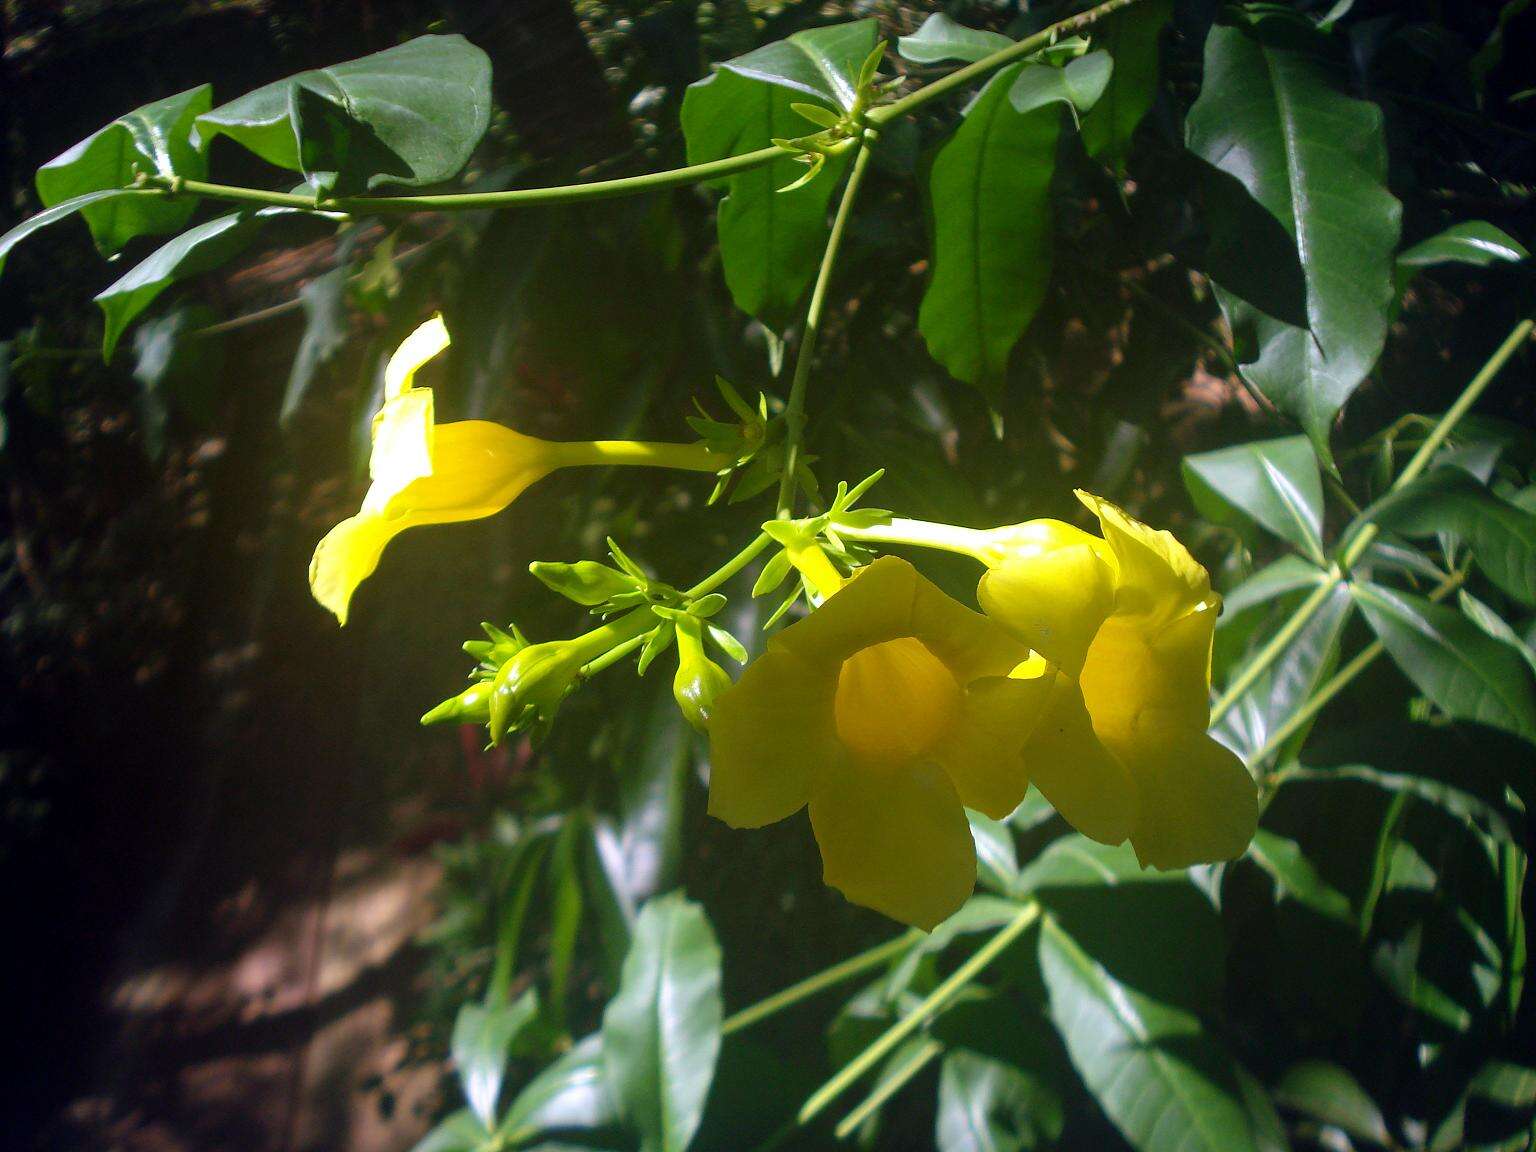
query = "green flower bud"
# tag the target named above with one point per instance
(698, 679)
(471, 706)
(528, 689)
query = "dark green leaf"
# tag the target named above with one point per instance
(1274, 118)
(571, 1093)
(1467, 674)
(1494, 625)
(195, 251)
(1474, 242)
(1502, 536)
(770, 241)
(154, 140)
(819, 62)
(940, 38)
(990, 190)
(1167, 1085)
(1078, 84)
(339, 155)
(178, 371)
(482, 1041)
(325, 334)
(63, 211)
(986, 1105)
(1295, 877)
(426, 102)
(1329, 1094)
(1458, 801)
(1131, 39)
(661, 1031)
(1275, 483)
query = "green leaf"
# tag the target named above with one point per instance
(569, 1094)
(460, 1132)
(990, 190)
(1502, 536)
(1078, 84)
(997, 861)
(426, 104)
(178, 371)
(661, 1031)
(1330, 1095)
(482, 1041)
(324, 300)
(770, 241)
(1295, 877)
(1288, 574)
(940, 38)
(1467, 674)
(1274, 118)
(819, 62)
(1131, 39)
(1275, 483)
(1166, 1085)
(1474, 242)
(1494, 625)
(195, 251)
(987, 1105)
(63, 211)
(153, 140)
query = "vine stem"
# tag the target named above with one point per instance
(794, 407)
(898, 1079)
(910, 1023)
(1366, 536)
(625, 185)
(838, 973)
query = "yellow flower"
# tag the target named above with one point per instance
(1131, 616)
(429, 473)
(886, 710)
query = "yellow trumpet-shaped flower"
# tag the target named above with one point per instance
(1131, 617)
(887, 710)
(429, 473)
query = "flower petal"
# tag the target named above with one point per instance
(1053, 601)
(421, 345)
(895, 841)
(1133, 666)
(346, 557)
(768, 735)
(1198, 803)
(1157, 575)
(981, 753)
(402, 444)
(1082, 779)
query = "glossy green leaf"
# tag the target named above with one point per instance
(1131, 39)
(997, 861)
(1329, 1094)
(819, 62)
(195, 251)
(990, 189)
(63, 211)
(569, 1094)
(1288, 574)
(154, 140)
(482, 1042)
(1166, 1085)
(940, 38)
(1502, 536)
(661, 1031)
(460, 1132)
(1494, 625)
(1275, 119)
(1295, 876)
(987, 1105)
(425, 103)
(324, 300)
(1473, 242)
(1275, 483)
(770, 241)
(1078, 84)
(1467, 674)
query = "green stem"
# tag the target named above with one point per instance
(892, 1084)
(973, 542)
(794, 408)
(812, 985)
(1341, 680)
(1366, 536)
(732, 566)
(920, 1015)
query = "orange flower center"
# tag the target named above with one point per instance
(895, 700)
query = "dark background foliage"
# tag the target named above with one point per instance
(201, 778)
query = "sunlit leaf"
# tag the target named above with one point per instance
(940, 38)
(482, 1042)
(1275, 483)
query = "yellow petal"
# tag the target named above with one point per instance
(1054, 601)
(1134, 666)
(1198, 803)
(1157, 575)
(422, 345)
(1092, 789)
(402, 444)
(768, 735)
(345, 558)
(895, 842)
(981, 753)
(894, 701)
